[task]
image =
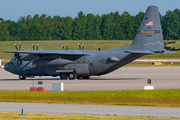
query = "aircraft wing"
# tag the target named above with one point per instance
(50, 52)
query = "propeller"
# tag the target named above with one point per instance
(34, 47)
(80, 46)
(66, 46)
(63, 47)
(17, 54)
(83, 47)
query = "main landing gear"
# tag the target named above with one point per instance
(71, 76)
(68, 75)
(22, 77)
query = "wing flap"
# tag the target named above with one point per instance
(139, 51)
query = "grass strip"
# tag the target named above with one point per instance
(53, 116)
(165, 97)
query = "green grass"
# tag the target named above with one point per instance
(73, 44)
(53, 116)
(169, 97)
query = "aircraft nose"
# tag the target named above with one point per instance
(6, 66)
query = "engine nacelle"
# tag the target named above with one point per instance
(52, 62)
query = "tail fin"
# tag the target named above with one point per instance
(149, 35)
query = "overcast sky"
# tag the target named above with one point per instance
(13, 9)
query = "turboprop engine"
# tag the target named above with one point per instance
(51, 62)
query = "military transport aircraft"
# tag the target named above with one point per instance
(85, 63)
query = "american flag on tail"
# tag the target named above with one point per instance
(149, 23)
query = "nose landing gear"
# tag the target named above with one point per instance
(22, 77)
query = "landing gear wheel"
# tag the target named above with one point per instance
(63, 76)
(22, 77)
(85, 77)
(72, 76)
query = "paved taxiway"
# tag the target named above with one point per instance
(163, 77)
(92, 109)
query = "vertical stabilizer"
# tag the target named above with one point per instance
(149, 35)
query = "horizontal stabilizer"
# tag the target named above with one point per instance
(140, 51)
(168, 52)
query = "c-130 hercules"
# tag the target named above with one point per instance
(85, 63)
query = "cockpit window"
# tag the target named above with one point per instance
(13, 59)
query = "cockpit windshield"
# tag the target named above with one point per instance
(12, 60)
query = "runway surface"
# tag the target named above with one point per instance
(91, 109)
(163, 77)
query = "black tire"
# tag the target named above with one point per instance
(22, 77)
(72, 75)
(63, 76)
(85, 77)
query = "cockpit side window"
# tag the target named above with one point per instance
(12, 60)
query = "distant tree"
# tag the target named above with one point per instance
(108, 26)
(97, 28)
(112, 26)
(67, 28)
(79, 26)
(4, 33)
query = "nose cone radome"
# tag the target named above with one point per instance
(6, 66)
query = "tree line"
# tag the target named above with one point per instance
(113, 26)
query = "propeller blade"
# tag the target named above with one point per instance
(79, 46)
(14, 59)
(16, 46)
(66, 46)
(17, 61)
(63, 47)
(83, 47)
(37, 47)
(20, 61)
(33, 46)
(19, 46)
